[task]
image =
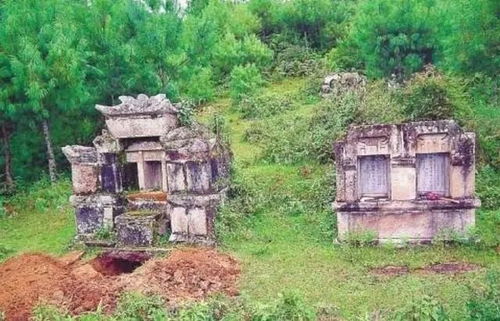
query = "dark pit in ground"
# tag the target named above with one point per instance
(119, 262)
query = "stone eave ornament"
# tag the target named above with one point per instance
(142, 105)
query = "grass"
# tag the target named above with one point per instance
(40, 219)
(286, 243)
(284, 251)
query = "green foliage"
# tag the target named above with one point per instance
(295, 61)
(425, 308)
(485, 305)
(488, 188)
(265, 105)
(186, 113)
(432, 96)
(360, 239)
(134, 306)
(395, 37)
(290, 307)
(245, 81)
(137, 307)
(469, 36)
(291, 138)
(104, 233)
(313, 23)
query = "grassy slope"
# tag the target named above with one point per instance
(288, 253)
(280, 252)
(38, 221)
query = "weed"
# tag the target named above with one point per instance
(105, 233)
(423, 309)
(485, 306)
(290, 307)
(360, 239)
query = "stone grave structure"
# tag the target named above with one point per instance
(405, 182)
(148, 175)
(343, 82)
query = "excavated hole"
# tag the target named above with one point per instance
(116, 263)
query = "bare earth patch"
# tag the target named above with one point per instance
(79, 286)
(391, 270)
(451, 267)
(441, 268)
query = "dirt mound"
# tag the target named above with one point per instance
(186, 274)
(78, 286)
(30, 279)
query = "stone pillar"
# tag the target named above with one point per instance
(96, 183)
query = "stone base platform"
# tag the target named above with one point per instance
(418, 221)
(140, 228)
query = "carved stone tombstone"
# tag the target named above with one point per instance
(147, 175)
(410, 181)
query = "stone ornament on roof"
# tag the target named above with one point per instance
(142, 105)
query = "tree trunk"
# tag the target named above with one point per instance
(50, 151)
(9, 181)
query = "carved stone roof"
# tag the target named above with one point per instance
(142, 105)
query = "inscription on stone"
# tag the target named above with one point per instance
(373, 174)
(432, 173)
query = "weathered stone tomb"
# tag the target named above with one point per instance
(148, 175)
(405, 182)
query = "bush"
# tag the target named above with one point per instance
(296, 61)
(488, 188)
(379, 105)
(245, 81)
(423, 309)
(431, 96)
(43, 195)
(292, 138)
(265, 105)
(290, 307)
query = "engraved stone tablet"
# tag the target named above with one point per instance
(373, 176)
(432, 172)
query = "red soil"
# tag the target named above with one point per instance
(148, 196)
(30, 279)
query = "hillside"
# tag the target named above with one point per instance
(280, 226)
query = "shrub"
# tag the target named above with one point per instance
(293, 138)
(186, 112)
(431, 96)
(245, 81)
(423, 309)
(265, 105)
(379, 105)
(295, 61)
(488, 188)
(43, 195)
(290, 307)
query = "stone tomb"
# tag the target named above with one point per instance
(406, 182)
(147, 176)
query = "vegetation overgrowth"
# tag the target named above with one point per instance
(252, 72)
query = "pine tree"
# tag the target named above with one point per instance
(46, 59)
